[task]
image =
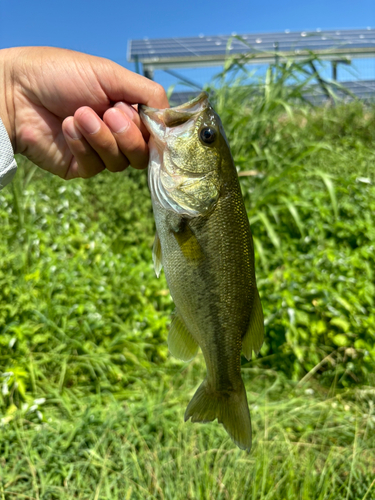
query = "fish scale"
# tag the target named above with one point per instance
(204, 244)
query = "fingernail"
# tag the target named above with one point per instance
(71, 130)
(117, 121)
(89, 121)
(128, 110)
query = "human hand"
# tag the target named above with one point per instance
(70, 113)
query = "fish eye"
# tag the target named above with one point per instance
(207, 135)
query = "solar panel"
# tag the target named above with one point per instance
(362, 89)
(158, 52)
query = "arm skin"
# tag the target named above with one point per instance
(71, 113)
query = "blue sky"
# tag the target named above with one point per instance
(104, 27)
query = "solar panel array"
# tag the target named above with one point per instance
(204, 46)
(360, 89)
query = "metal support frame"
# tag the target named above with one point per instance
(335, 63)
(256, 58)
(148, 72)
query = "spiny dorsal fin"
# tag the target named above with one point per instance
(180, 341)
(156, 255)
(253, 338)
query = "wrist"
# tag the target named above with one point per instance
(7, 112)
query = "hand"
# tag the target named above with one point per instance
(71, 113)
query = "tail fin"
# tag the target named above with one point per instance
(230, 409)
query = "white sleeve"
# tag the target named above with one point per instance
(8, 165)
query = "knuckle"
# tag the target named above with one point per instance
(86, 172)
(118, 168)
(88, 163)
(136, 148)
(160, 94)
(86, 154)
(141, 164)
(137, 154)
(117, 164)
(106, 144)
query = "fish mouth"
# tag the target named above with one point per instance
(158, 120)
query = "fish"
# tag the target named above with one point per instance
(204, 243)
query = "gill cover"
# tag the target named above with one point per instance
(183, 170)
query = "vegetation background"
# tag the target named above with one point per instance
(92, 404)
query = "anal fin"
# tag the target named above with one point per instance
(253, 338)
(180, 341)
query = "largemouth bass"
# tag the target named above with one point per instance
(204, 243)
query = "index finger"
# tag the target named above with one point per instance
(120, 84)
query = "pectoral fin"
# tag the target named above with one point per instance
(186, 239)
(253, 339)
(156, 255)
(189, 245)
(180, 341)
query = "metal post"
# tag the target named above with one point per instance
(137, 64)
(322, 83)
(148, 72)
(334, 70)
(189, 82)
(276, 46)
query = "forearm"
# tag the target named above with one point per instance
(8, 165)
(7, 93)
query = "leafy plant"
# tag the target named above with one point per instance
(91, 404)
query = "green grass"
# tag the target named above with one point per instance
(91, 403)
(308, 444)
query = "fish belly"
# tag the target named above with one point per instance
(210, 273)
